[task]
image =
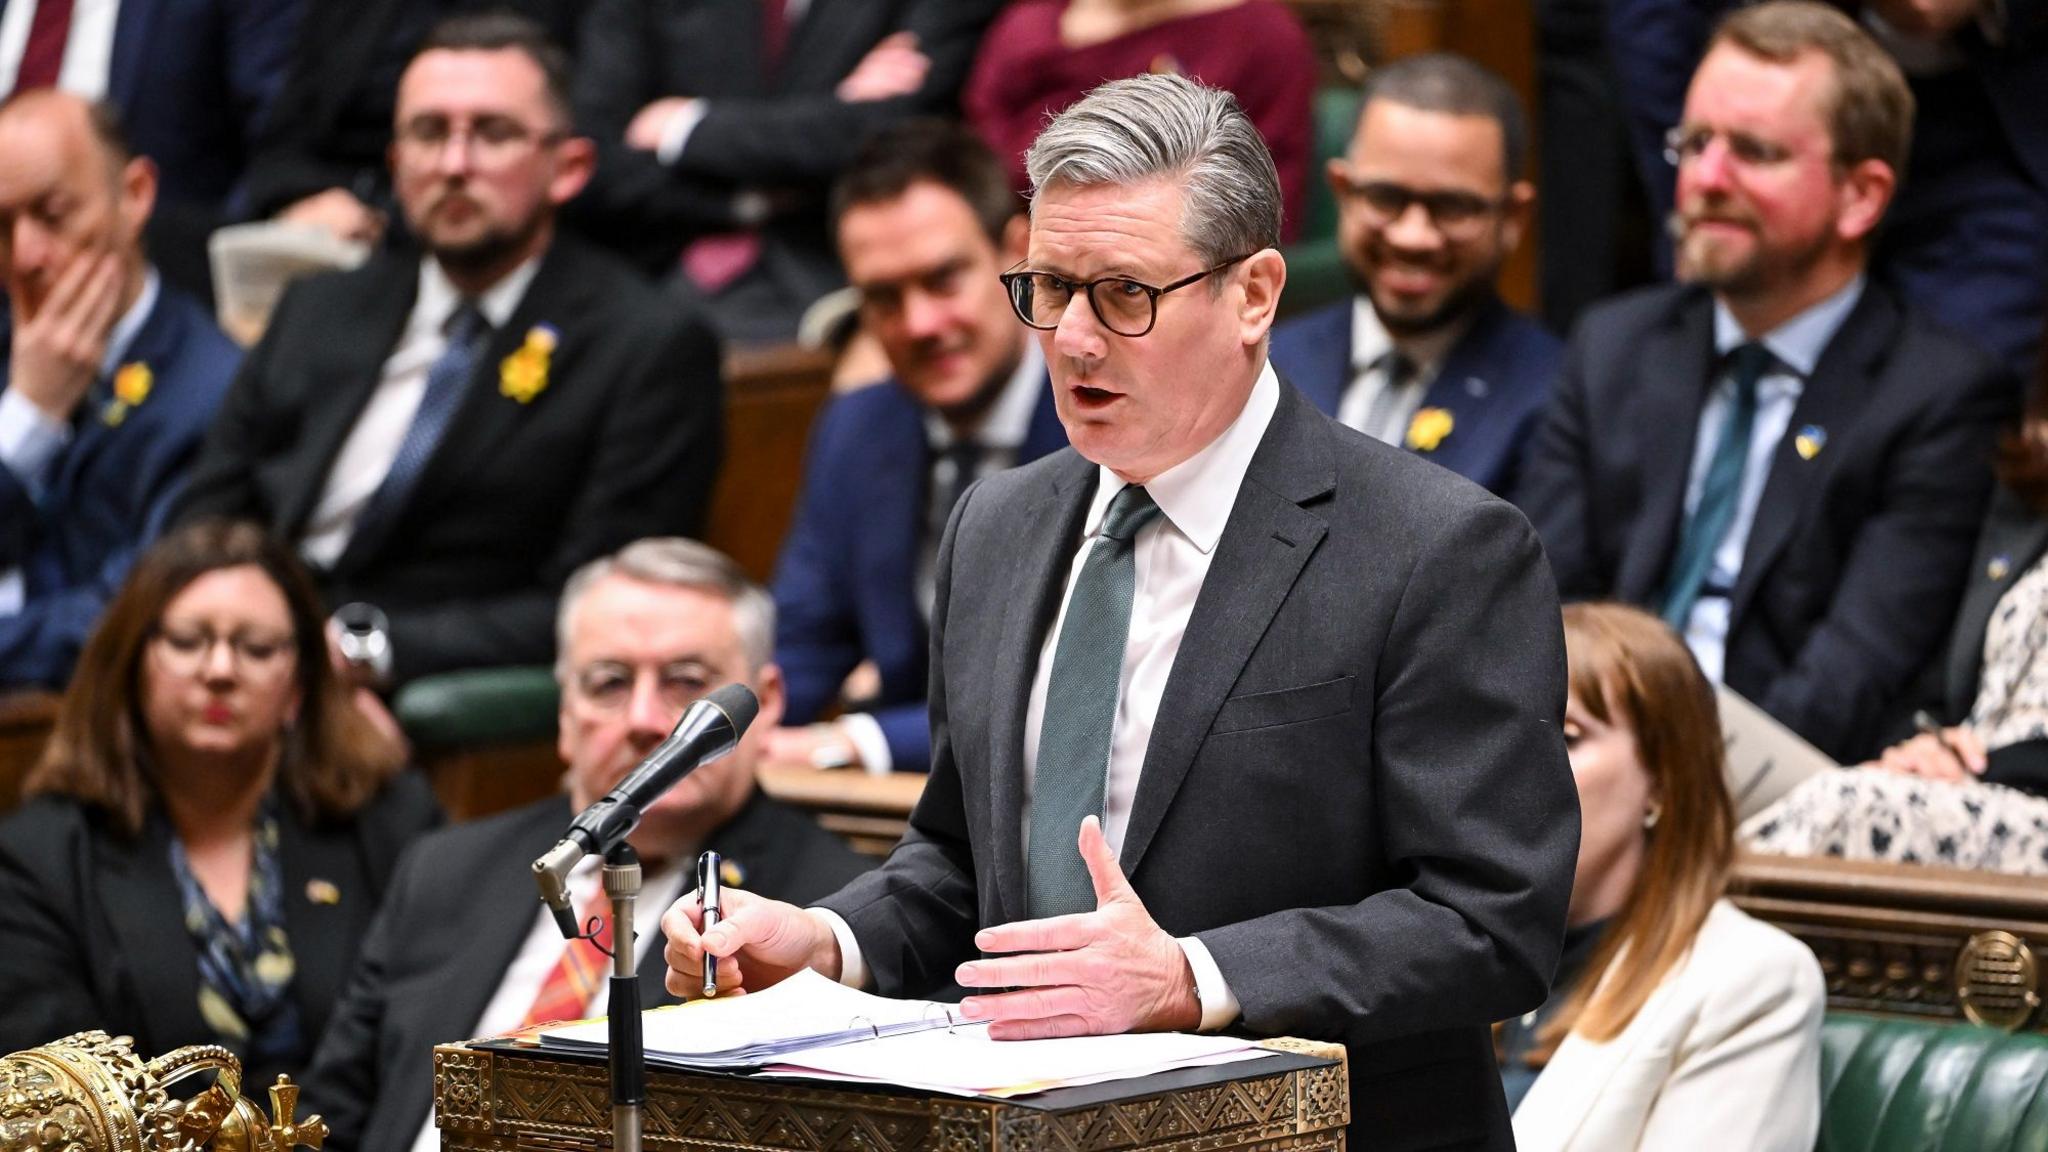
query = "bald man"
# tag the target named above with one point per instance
(110, 377)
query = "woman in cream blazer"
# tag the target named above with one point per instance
(1691, 1025)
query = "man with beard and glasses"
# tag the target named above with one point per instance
(1429, 206)
(444, 437)
(926, 221)
(1777, 455)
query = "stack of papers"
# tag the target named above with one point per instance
(804, 1012)
(812, 1027)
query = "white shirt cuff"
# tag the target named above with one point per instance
(864, 732)
(29, 440)
(853, 971)
(1219, 1003)
(675, 135)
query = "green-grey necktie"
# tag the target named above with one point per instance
(1080, 710)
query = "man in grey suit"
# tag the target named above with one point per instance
(1239, 719)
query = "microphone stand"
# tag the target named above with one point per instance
(627, 1047)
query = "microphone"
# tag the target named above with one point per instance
(708, 729)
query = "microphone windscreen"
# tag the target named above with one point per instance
(739, 704)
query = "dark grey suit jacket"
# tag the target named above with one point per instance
(459, 909)
(1356, 794)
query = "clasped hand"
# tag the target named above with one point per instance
(1092, 973)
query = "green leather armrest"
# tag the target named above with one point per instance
(1907, 1086)
(1315, 276)
(480, 706)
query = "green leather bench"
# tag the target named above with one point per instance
(478, 707)
(1906, 1086)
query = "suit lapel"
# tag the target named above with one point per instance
(340, 378)
(1841, 386)
(2014, 538)
(1046, 434)
(1265, 543)
(1674, 372)
(897, 497)
(1462, 389)
(322, 930)
(1046, 536)
(146, 911)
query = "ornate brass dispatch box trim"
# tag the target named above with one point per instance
(491, 1097)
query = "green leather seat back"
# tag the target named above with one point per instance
(1907, 1086)
(479, 707)
(1315, 269)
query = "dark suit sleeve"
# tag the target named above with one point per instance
(907, 728)
(258, 53)
(817, 637)
(1655, 46)
(343, 1080)
(1900, 584)
(45, 989)
(658, 454)
(223, 478)
(916, 915)
(40, 644)
(1475, 801)
(814, 137)
(1552, 488)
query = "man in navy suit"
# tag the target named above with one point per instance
(1776, 455)
(925, 219)
(110, 378)
(1426, 355)
(1967, 239)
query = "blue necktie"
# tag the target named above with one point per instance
(1722, 490)
(447, 381)
(1080, 710)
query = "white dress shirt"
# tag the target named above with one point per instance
(1001, 435)
(1171, 556)
(1797, 345)
(88, 48)
(373, 443)
(30, 442)
(659, 888)
(1370, 343)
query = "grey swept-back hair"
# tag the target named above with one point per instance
(678, 563)
(1166, 126)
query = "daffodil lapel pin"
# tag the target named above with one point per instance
(524, 374)
(1429, 428)
(131, 387)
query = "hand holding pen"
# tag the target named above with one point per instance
(710, 897)
(1937, 753)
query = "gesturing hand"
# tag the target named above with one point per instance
(759, 943)
(1093, 973)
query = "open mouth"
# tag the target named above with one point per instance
(1090, 399)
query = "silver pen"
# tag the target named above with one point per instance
(707, 893)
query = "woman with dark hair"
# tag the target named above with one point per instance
(1970, 788)
(1675, 1021)
(212, 823)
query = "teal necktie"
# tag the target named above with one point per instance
(1721, 492)
(1080, 710)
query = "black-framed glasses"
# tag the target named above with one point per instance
(491, 140)
(1453, 213)
(1125, 306)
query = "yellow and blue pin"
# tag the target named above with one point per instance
(1810, 441)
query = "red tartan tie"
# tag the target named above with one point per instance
(43, 58)
(582, 970)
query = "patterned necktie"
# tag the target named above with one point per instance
(1721, 492)
(582, 970)
(447, 381)
(42, 59)
(1080, 710)
(1397, 371)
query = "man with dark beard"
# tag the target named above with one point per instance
(1777, 455)
(1430, 204)
(445, 437)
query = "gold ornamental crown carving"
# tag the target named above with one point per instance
(90, 1092)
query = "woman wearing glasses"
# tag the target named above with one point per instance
(212, 823)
